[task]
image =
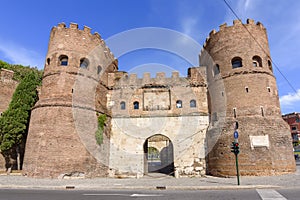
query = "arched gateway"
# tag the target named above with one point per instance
(159, 155)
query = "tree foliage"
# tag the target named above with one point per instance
(20, 71)
(15, 120)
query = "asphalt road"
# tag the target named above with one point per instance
(247, 194)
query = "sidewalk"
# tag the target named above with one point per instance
(153, 182)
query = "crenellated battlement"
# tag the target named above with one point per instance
(73, 32)
(236, 24)
(160, 79)
(75, 26)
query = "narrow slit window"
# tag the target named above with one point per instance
(247, 89)
(262, 111)
(234, 112)
(269, 89)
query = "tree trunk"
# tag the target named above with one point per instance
(18, 158)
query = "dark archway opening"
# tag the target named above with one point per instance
(159, 155)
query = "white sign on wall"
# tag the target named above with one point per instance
(259, 141)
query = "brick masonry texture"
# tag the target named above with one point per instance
(247, 94)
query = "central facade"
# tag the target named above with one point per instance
(164, 115)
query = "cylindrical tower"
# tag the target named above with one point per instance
(61, 138)
(242, 88)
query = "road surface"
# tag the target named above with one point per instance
(245, 194)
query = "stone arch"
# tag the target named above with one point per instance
(161, 160)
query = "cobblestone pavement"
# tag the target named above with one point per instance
(155, 181)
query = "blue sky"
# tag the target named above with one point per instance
(25, 28)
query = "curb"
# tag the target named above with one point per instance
(122, 187)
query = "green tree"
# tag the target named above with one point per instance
(20, 71)
(14, 121)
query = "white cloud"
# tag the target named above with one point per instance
(20, 55)
(188, 25)
(290, 99)
(247, 4)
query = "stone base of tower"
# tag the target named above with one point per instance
(55, 148)
(265, 148)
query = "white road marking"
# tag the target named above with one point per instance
(127, 195)
(269, 194)
(106, 195)
(146, 195)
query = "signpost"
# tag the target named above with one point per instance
(235, 149)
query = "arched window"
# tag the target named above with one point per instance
(122, 105)
(84, 63)
(178, 104)
(136, 105)
(270, 65)
(256, 61)
(99, 69)
(216, 69)
(236, 62)
(63, 60)
(193, 103)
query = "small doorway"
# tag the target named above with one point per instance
(159, 156)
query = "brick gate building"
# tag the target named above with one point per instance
(187, 121)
